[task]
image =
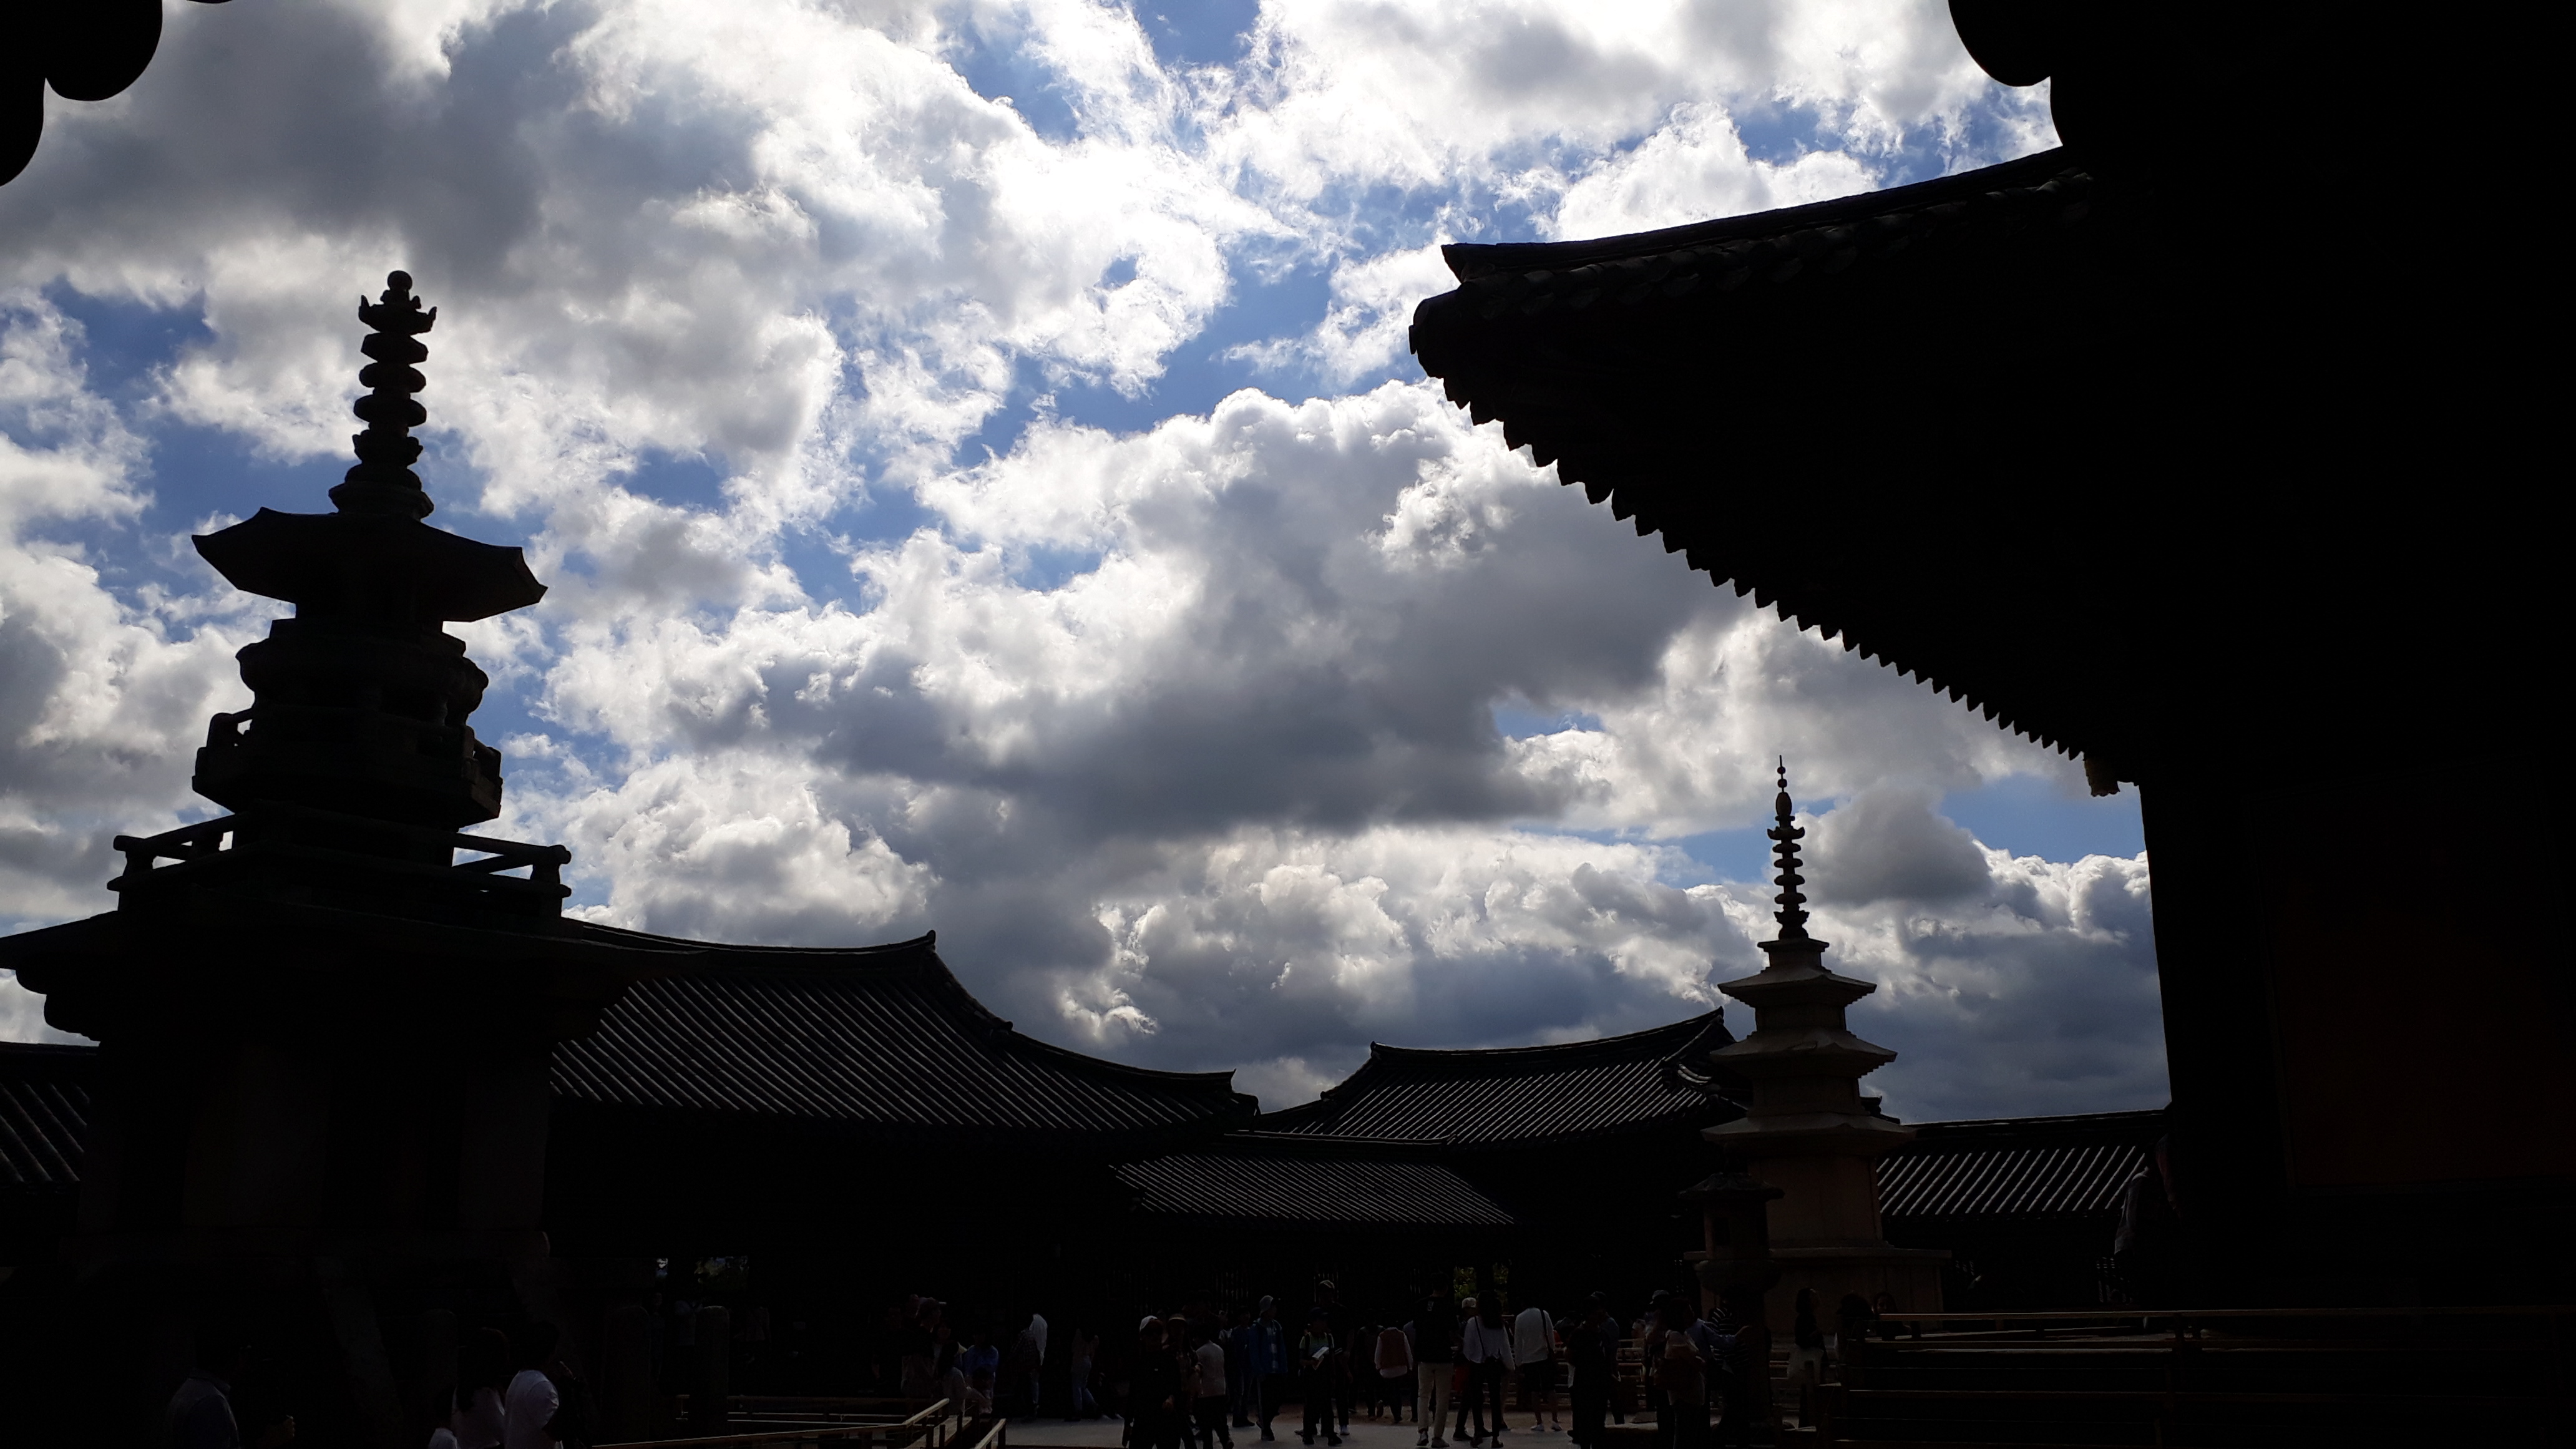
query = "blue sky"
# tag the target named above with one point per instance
(983, 488)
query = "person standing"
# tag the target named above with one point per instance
(1851, 1335)
(916, 1353)
(1740, 1348)
(482, 1374)
(1238, 1369)
(1037, 1331)
(1592, 1348)
(1153, 1390)
(1085, 1348)
(1806, 1354)
(946, 1351)
(1337, 1320)
(2143, 1249)
(200, 1414)
(1534, 1357)
(979, 1369)
(1021, 1362)
(1268, 1349)
(1486, 1344)
(1211, 1396)
(1682, 1368)
(529, 1405)
(1185, 1339)
(1435, 1347)
(1316, 1352)
(1395, 1373)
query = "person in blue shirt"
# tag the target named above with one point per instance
(1265, 1347)
(1739, 1349)
(981, 1364)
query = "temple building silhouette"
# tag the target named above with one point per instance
(2160, 448)
(361, 1084)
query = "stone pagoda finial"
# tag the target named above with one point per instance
(1792, 912)
(382, 481)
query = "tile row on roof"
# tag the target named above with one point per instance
(2017, 1167)
(1517, 1095)
(1303, 1189)
(1714, 261)
(44, 1115)
(881, 1040)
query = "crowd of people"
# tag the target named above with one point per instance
(1196, 1377)
(512, 1391)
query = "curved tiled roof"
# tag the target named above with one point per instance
(44, 1115)
(1766, 249)
(2017, 1167)
(1488, 1098)
(1678, 374)
(881, 1039)
(1309, 1190)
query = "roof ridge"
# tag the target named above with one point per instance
(2053, 1119)
(944, 979)
(1161, 1074)
(1686, 1029)
(1471, 260)
(64, 1053)
(927, 941)
(1252, 1140)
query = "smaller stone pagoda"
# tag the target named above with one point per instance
(1807, 1129)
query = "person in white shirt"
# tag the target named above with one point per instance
(1395, 1373)
(200, 1414)
(1534, 1352)
(1036, 1333)
(1486, 1344)
(482, 1372)
(1210, 1396)
(532, 1399)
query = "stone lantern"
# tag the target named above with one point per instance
(1736, 1269)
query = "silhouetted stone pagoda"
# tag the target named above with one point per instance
(325, 1038)
(1806, 1129)
(362, 699)
(359, 1076)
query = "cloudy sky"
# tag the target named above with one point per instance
(983, 487)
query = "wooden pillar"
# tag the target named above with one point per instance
(626, 1409)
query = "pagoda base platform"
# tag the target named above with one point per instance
(1912, 1276)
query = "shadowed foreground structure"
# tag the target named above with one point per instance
(81, 50)
(2174, 457)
